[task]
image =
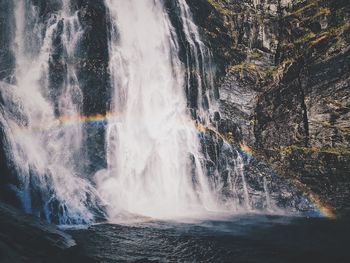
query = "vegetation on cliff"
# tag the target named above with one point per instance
(289, 62)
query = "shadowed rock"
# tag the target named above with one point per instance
(24, 238)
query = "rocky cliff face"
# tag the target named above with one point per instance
(283, 70)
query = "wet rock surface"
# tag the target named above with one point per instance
(283, 72)
(6, 57)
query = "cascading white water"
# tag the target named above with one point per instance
(43, 150)
(165, 158)
(198, 60)
(154, 164)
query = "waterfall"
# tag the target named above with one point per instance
(45, 152)
(157, 161)
(153, 149)
(198, 67)
(160, 156)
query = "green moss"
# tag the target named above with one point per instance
(305, 38)
(319, 38)
(221, 8)
(303, 9)
(288, 61)
(269, 71)
(332, 150)
(255, 55)
(244, 66)
(262, 72)
(326, 124)
(335, 31)
(322, 11)
(345, 130)
(340, 28)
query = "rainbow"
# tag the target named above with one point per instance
(323, 208)
(102, 119)
(97, 119)
(67, 121)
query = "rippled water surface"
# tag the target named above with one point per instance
(249, 238)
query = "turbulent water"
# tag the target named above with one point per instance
(163, 158)
(247, 238)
